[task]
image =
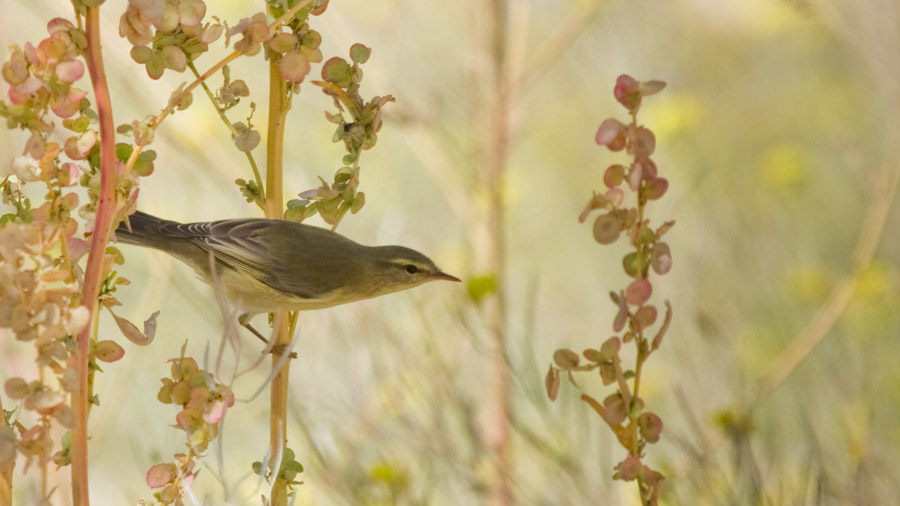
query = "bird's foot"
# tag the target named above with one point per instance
(277, 349)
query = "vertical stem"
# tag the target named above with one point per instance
(5, 472)
(93, 271)
(495, 161)
(278, 107)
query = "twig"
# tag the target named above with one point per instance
(571, 28)
(836, 304)
(221, 112)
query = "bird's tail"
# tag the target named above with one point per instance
(145, 230)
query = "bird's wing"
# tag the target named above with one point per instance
(238, 245)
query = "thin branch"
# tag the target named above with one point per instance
(571, 28)
(221, 112)
(831, 311)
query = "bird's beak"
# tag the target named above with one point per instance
(444, 275)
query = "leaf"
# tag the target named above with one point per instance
(665, 227)
(16, 388)
(245, 138)
(614, 175)
(337, 71)
(611, 134)
(648, 88)
(571, 379)
(160, 475)
(607, 228)
(566, 359)
(627, 92)
(593, 355)
(551, 383)
(638, 292)
(661, 258)
(360, 53)
(650, 426)
(609, 350)
(150, 327)
(645, 317)
(130, 331)
(108, 351)
(294, 67)
(629, 469)
(615, 409)
(657, 340)
(358, 202)
(173, 57)
(655, 188)
(621, 316)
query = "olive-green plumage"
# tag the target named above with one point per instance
(273, 265)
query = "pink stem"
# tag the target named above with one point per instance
(93, 271)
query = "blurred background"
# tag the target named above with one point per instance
(777, 382)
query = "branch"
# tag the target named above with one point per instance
(559, 42)
(836, 304)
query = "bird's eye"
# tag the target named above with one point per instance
(412, 269)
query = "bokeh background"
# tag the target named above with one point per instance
(778, 133)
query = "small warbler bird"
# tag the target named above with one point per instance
(273, 265)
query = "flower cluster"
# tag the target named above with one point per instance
(37, 294)
(204, 402)
(174, 31)
(358, 132)
(624, 411)
(296, 51)
(42, 78)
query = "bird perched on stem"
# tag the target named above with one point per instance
(273, 265)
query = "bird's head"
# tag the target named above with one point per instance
(396, 268)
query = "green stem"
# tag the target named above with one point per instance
(221, 112)
(279, 104)
(6, 472)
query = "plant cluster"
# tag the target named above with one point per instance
(204, 402)
(623, 410)
(56, 269)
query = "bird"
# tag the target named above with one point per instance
(268, 265)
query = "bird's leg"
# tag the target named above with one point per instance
(244, 320)
(278, 349)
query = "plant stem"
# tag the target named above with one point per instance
(6, 473)
(496, 153)
(279, 104)
(221, 112)
(93, 270)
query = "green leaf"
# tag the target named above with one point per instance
(336, 70)
(360, 53)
